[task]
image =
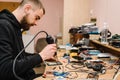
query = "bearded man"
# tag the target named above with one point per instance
(28, 13)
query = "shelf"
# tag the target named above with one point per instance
(105, 47)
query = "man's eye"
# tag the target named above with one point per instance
(38, 18)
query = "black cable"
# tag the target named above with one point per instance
(72, 76)
(117, 69)
(14, 62)
(68, 67)
(73, 67)
(76, 67)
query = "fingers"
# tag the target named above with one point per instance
(53, 47)
(49, 51)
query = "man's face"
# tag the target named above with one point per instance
(24, 23)
(30, 19)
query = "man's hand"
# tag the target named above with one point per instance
(48, 52)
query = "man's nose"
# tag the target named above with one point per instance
(35, 23)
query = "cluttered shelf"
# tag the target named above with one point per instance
(105, 47)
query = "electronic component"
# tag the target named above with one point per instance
(93, 76)
(53, 63)
(99, 67)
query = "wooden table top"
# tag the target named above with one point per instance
(76, 72)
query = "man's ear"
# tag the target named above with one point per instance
(27, 8)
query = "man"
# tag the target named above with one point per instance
(26, 15)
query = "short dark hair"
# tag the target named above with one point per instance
(37, 3)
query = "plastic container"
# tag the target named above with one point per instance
(104, 34)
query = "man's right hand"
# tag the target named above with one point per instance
(48, 52)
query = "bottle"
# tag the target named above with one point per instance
(68, 47)
(104, 34)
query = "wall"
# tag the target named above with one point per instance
(107, 11)
(26, 40)
(10, 0)
(9, 5)
(76, 12)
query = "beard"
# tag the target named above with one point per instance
(24, 23)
